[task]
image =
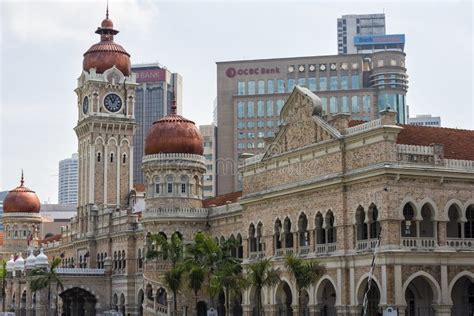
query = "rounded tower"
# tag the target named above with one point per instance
(174, 166)
(21, 219)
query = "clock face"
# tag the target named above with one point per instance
(85, 105)
(112, 102)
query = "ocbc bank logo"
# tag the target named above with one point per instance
(231, 72)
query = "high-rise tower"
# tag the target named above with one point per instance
(105, 127)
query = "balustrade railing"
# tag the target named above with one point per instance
(322, 249)
(461, 243)
(366, 244)
(304, 250)
(256, 255)
(419, 242)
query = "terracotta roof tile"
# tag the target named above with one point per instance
(458, 143)
(222, 199)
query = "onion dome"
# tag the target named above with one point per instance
(174, 134)
(19, 263)
(21, 199)
(106, 54)
(11, 264)
(31, 260)
(41, 260)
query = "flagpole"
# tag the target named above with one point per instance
(369, 280)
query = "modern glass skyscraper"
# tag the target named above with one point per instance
(68, 177)
(153, 100)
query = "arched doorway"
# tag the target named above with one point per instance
(373, 298)
(237, 305)
(326, 298)
(221, 304)
(201, 308)
(122, 304)
(419, 298)
(78, 302)
(462, 295)
(284, 298)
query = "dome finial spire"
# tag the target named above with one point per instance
(22, 180)
(107, 10)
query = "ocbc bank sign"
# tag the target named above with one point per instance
(231, 72)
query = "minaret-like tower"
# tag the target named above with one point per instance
(105, 127)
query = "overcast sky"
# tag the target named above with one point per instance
(42, 43)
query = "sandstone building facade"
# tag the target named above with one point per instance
(323, 188)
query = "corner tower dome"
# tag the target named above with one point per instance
(174, 134)
(106, 54)
(21, 199)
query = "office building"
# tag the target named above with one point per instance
(365, 34)
(208, 133)
(251, 94)
(425, 120)
(67, 183)
(154, 97)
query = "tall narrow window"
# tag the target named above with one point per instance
(241, 88)
(169, 184)
(270, 88)
(98, 157)
(333, 104)
(323, 83)
(269, 108)
(240, 109)
(355, 104)
(344, 82)
(281, 86)
(291, 84)
(260, 109)
(312, 84)
(333, 83)
(124, 158)
(251, 87)
(111, 157)
(355, 82)
(261, 87)
(250, 109)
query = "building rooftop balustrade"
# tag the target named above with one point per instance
(175, 212)
(80, 271)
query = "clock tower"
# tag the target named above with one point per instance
(105, 127)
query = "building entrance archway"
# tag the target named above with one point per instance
(284, 299)
(78, 302)
(419, 298)
(326, 298)
(462, 295)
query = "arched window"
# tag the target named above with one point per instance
(453, 229)
(196, 185)
(111, 157)
(288, 236)
(157, 185)
(252, 239)
(240, 247)
(374, 224)
(469, 225)
(169, 184)
(320, 231)
(184, 184)
(98, 157)
(361, 227)
(278, 234)
(331, 231)
(140, 259)
(124, 260)
(119, 260)
(98, 261)
(259, 236)
(233, 250)
(115, 260)
(303, 230)
(427, 223)
(408, 224)
(124, 158)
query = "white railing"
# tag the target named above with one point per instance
(172, 212)
(80, 271)
(364, 126)
(161, 309)
(459, 164)
(366, 244)
(325, 248)
(174, 156)
(415, 149)
(279, 252)
(304, 250)
(460, 243)
(419, 242)
(256, 255)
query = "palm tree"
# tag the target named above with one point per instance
(195, 277)
(259, 275)
(305, 273)
(42, 279)
(230, 279)
(171, 250)
(3, 275)
(206, 253)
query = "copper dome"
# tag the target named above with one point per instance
(107, 53)
(21, 199)
(174, 134)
